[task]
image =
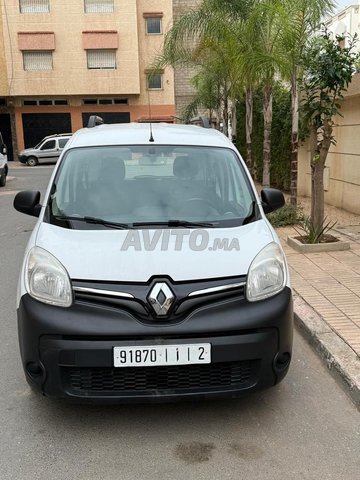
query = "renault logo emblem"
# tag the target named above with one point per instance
(161, 298)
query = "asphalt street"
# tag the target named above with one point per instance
(305, 428)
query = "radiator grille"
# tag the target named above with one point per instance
(183, 377)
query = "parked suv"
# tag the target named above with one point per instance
(148, 280)
(3, 162)
(47, 151)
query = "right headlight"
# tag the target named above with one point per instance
(267, 274)
(46, 279)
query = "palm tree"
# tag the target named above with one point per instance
(214, 26)
(303, 20)
(264, 59)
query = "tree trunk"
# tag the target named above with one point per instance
(317, 193)
(267, 134)
(226, 116)
(318, 160)
(294, 138)
(233, 120)
(249, 127)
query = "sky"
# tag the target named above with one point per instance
(343, 3)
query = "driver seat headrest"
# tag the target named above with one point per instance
(186, 166)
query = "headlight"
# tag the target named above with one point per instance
(46, 279)
(267, 274)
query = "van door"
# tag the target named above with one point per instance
(48, 152)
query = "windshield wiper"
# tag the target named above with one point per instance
(175, 223)
(95, 221)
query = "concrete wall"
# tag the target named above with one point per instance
(184, 91)
(342, 172)
(3, 70)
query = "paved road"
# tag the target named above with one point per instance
(305, 428)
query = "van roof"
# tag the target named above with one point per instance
(139, 134)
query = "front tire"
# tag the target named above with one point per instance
(3, 176)
(3, 179)
(32, 162)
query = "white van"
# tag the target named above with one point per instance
(152, 272)
(3, 162)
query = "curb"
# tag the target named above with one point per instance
(340, 359)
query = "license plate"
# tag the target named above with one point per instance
(157, 355)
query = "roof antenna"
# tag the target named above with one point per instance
(151, 139)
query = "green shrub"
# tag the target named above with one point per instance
(280, 135)
(310, 234)
(287, 215)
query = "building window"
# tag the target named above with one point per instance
(154, 81)
(153, 25)
(34, 6)
(99, 6)
(38, 60)
(101, 59)
(44, 102)
(105, 101)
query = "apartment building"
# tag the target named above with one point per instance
(66, 60)
(345, 22)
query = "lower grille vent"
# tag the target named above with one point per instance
(147, 379)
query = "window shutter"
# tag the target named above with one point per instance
(37, 60)
(101, 59)
(99, 6)
(34, 6)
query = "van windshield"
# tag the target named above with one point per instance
(142, 186)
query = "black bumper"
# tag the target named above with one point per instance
(22, 158)
(68, 353)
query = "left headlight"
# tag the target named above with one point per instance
(267, 274)
(46, 279)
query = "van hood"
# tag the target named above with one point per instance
(122, 256)
(28, 151)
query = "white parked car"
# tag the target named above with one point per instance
(152, 272)
(3, 162)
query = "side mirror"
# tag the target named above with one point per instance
(28, 202)
(4, 150)
(272, 199)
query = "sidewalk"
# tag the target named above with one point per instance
(327, 299)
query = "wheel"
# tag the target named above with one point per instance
(32, 161)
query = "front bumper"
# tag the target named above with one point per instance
(68, 353)
(22, 158)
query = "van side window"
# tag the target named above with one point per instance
(49, 145)
(63, 142)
